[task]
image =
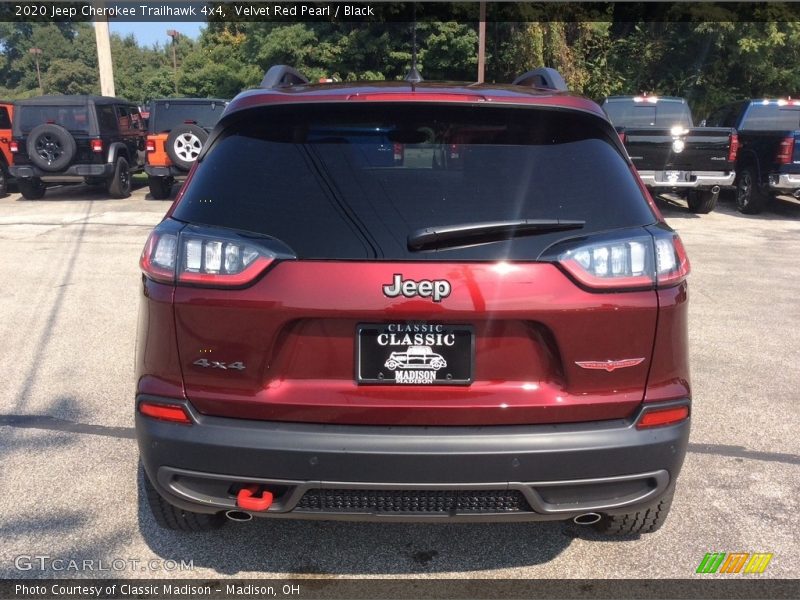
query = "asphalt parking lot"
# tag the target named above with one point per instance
(68, 489)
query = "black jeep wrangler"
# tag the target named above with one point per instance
(69, 139)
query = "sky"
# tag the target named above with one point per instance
(148, 34)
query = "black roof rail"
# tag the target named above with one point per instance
(280, 76)
(543, 77)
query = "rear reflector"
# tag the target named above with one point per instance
(663, 416)
(165, 412)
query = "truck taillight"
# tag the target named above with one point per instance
(151, 145)
(398, 151)
(199, 258)
(734, 147)
(97, 146)
(622, 136)
(633, 263)
(785, 151)
(13, 147)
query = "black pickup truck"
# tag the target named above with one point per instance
(768, 163)
(669, 153)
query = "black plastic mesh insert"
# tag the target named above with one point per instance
(413, 501)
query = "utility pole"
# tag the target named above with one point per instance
(482, 43)
(36, 52)
(174, 34)
(104, 62)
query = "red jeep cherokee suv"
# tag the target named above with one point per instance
(534, 293)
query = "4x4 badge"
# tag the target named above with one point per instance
(438, 289)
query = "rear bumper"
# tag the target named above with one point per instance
(556, 471)
(71, 173)
(171, 171)
(786, 182)
(696, 179)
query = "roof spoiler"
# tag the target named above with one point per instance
(281, 76)
(543, 77)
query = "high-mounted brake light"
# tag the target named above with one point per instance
(202, 259)
(734, 147)
(663, 416)
(785, 151)
(632, 263)
(13, 147)
(150, 145)
(165, 412)
(97, 145)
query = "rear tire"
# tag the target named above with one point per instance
(646, 520)
(3, 180)
(31, 189)
(119, 186)
(160, 187)
(701, 202)
(750, 199)
(171, 517)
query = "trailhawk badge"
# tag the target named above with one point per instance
(414, 354)
(437, 289)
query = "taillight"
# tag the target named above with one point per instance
(202, 258)
(13, 147)
(97, 145)
(455, 151)
(398, 151)
(734, 149)
(151, 145)
(165, 412)
(622, 136)
(785, 151)
(630, 263)
(663, 416)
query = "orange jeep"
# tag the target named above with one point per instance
(177, 130)
(6, 114)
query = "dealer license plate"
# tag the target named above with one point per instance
(414, 354)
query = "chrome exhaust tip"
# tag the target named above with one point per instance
(796, 194)
(239, 516)
(715, 189)
(587, 519)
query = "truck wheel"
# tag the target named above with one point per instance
(31, 189)
(160, 187)
(750, 199)
(172, 517)
(646, 520)
(701, 201)
(119, 186)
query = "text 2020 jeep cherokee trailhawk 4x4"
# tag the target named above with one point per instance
(293, 265)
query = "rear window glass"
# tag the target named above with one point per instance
(353, 182)
(772, 117)
(627, 113)
(165, 116)
(72, 118)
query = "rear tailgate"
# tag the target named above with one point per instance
(296, 332)
(303, 342)
(695, 149)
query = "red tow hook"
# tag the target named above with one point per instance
(247, 499)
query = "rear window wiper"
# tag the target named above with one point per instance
(449, 236)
